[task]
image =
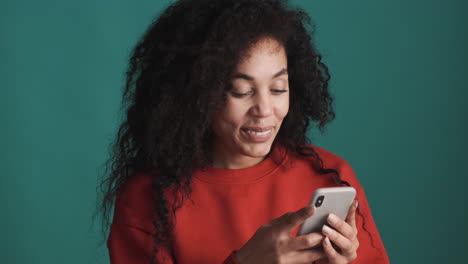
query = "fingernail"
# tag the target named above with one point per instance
(327, 230)
(356, 204)
(333, 219)
(308, 210)
(327, 242)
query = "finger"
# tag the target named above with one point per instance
(305, 241)
(289, 221)
(305, 256)
(341, 226)
(345, 244)
(330, 252)
(351, 219)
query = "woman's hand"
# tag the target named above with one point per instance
(343, 234)
(272, 243)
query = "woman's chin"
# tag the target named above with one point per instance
(258, 151)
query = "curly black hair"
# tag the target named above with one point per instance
(177, 79)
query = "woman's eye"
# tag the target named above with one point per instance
(278, 91)
(240, 95)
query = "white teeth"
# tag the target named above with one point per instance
(259, 133)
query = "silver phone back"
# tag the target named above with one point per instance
(337, 200)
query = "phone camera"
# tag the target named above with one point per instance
(319, 201)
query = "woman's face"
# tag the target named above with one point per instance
(255, 107)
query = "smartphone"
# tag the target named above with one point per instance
(336, 200)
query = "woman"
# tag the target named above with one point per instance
(212, 163)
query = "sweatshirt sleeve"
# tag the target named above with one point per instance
(371, 248)
(131, 234)
(131, 238)
(128, 244)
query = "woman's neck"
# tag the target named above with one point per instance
(226, 160)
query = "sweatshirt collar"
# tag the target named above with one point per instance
(275, 159)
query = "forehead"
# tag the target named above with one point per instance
(267, 54)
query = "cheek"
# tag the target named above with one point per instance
(230, 118)
(282, 109)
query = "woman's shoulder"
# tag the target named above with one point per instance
(135, 189)
(134, 201)
(331, 160)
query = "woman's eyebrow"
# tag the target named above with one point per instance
(239, 75)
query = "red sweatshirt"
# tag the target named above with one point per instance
(228, 206)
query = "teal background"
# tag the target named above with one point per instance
(399, 74)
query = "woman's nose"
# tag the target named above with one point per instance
(262, 106)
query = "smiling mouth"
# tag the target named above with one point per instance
(259, 133)
(257, 128)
